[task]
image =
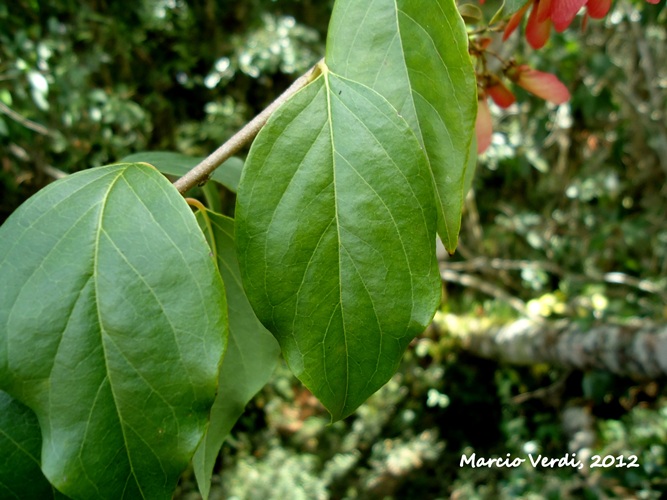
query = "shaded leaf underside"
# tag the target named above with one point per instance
(20, 444)
(252, 353)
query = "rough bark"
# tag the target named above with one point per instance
(635, 351)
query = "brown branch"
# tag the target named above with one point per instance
(201, 172)
(629, 350)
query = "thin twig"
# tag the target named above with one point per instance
(203, 170)
(29, 124)
(481, 264)
(54, 172)
(473, 220)
(550, 394)
(470, 281)
(641, 284)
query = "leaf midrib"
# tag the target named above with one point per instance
(101, 330)
(33, 222)
(391, 216)
(336, 218)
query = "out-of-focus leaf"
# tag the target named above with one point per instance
(508, 8)
(252, 352)
(470, 11)
(39, 89)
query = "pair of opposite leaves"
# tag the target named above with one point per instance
(345, 284)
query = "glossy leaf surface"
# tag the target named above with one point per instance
(20, 447)
(335, 231)
(112, 327)
(227, 174)
(252, 352)
(415, 54)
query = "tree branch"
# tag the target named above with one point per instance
(638, 351)
(29, 124)
(201, 172)
(486, 287)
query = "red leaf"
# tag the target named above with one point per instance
(500, 94)
(597, 9)
(563, 12)
(484, 42)
(537, 33)
(515, 20)
(544, 85)
(544, 9)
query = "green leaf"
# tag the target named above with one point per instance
(415, 53)
(470, 12)
(227, 174)
(511, 6)
(335, 231)
(20, 445)
(112, 328)
(252, 352)
(507, 8)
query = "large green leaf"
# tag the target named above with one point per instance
(112, 328)
(252, 352)
(415, 53)
(227, 174)
(20, 445)
(335, 231)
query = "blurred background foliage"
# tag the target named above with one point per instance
(566, 220)
(84, 84)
